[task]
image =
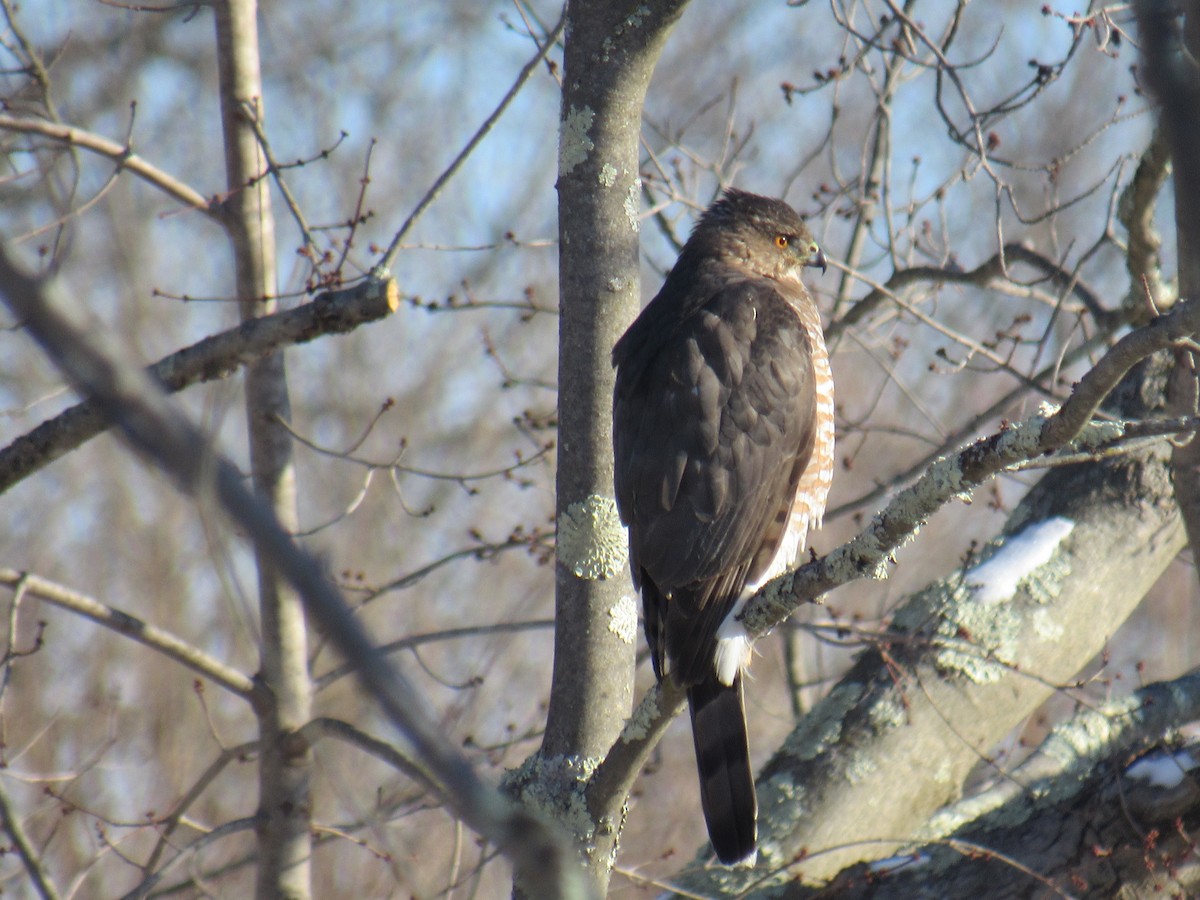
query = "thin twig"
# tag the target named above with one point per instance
(29, 855)
(389, 257)
(151, 423)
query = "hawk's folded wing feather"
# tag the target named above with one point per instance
(714, 423)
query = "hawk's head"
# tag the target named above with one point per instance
(761, 235)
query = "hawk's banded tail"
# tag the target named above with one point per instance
(723, 759)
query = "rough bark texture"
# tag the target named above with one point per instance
(285, 806)
(610, 52)
(896, 738)
(1113, 838)
(1074, 820)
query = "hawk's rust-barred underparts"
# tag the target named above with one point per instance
(723, 438)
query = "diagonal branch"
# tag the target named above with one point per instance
(991, 271)
(121, 154)
(166, 643)
(958, 475)
(389, 256)
(218, 356)
(30, 856)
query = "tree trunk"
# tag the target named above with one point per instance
(610, 53)
(285, 759)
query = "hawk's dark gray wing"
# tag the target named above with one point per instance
(713, 423)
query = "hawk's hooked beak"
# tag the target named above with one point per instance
(818, 261)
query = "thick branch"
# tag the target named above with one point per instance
(1074, 820)
(869, 553)
(610, 53)
(285, 802)
(1172, 72)
(965, 661)
(334, 312)
(958, 475)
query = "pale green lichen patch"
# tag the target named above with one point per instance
(591, 538)
(982, 619)
(633, 20)
(1024, 439)
(1044, 584)
(643, 718)
(1046, 626)
(1096, 434)
(865, 552)
(949, 819)
(782, 802)
(631, 204)
(1090, 732)
(943, 773)
(608, 175)
(945, 478)
(623, 618)
(555, 786)
(978, 639)
(1075, 746)
(860, 767)
(823, 726)
(574, 145)
(888, 713)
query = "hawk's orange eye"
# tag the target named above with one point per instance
(782, 241)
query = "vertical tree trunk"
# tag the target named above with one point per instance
(611, 49)
(285, 759)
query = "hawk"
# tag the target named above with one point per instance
(723, 441)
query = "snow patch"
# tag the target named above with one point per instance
(1162, 769)
(998, 578)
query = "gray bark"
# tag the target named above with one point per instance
(610, 53)
(1074, 820)
(1175, 79)
(218, 356)
(285, 761)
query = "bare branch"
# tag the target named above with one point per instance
(30, 857)
(960, 474)
(389, 257)
(333, 312)
(989, 273)
(237, 826)
(169, 645)
(119, 154)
